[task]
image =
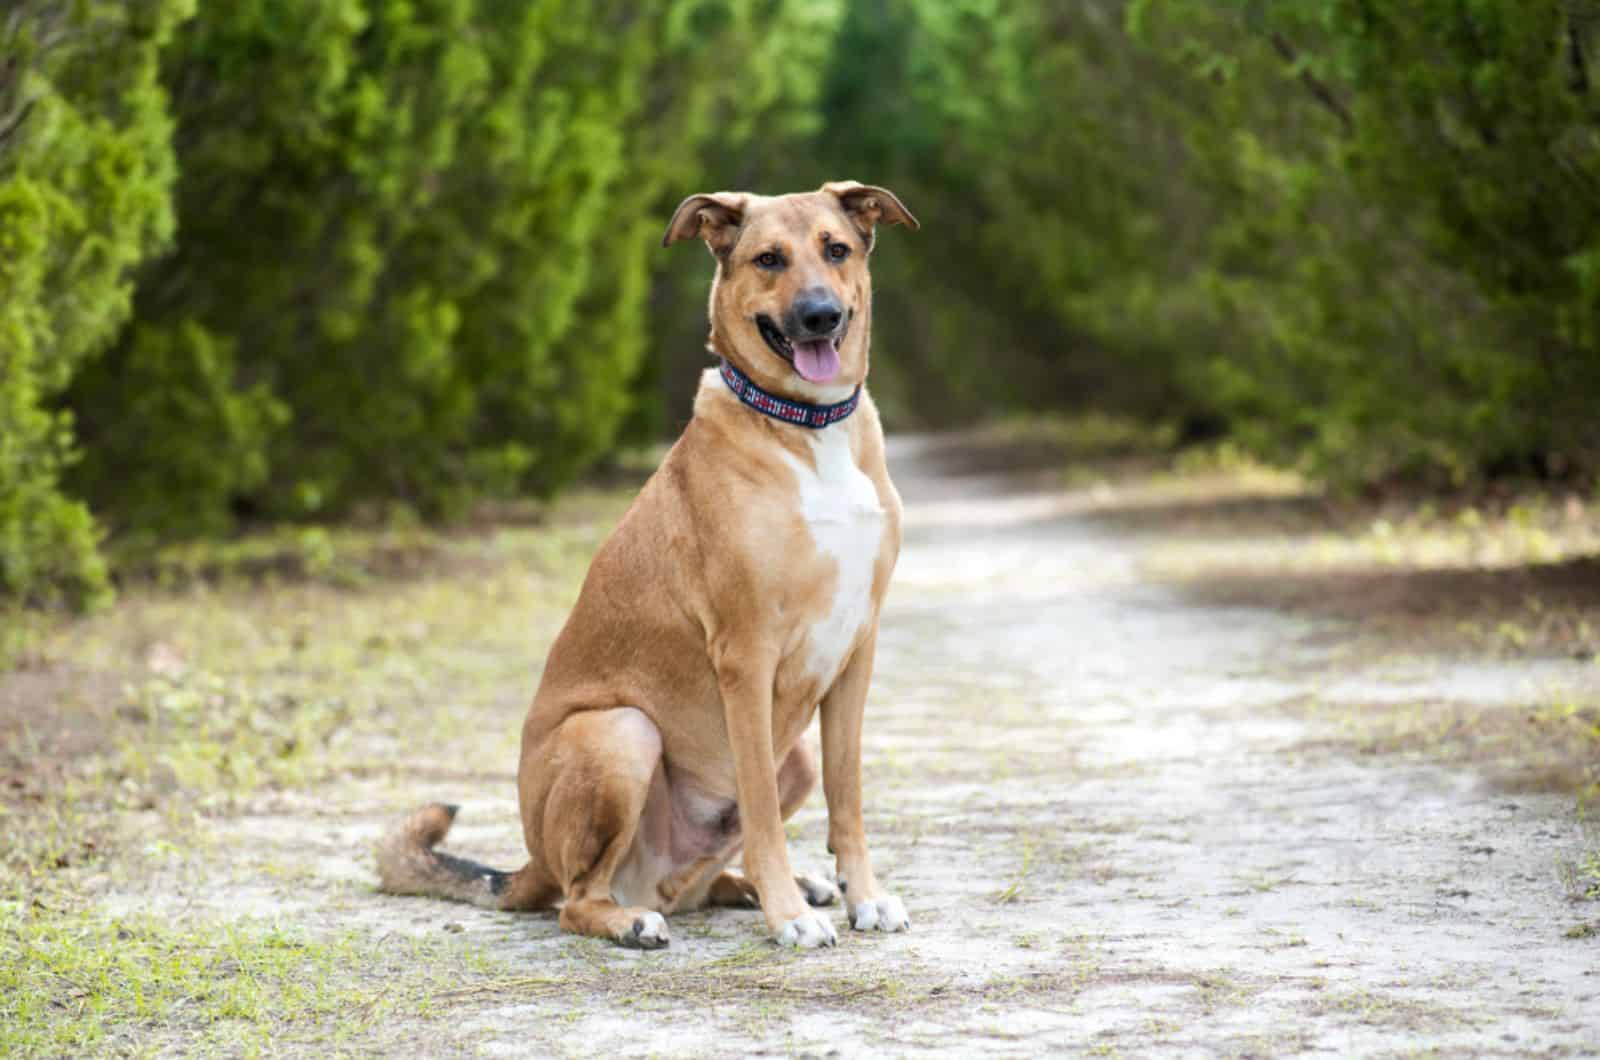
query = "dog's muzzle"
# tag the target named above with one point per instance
(814, 328)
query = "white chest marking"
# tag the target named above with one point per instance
(840, 507)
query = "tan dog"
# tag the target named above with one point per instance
(737, 596)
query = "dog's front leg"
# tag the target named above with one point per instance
(870, 908)
(744, 674)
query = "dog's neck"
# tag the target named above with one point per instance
(715, 400)
(787, 409)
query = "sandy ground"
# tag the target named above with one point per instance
(1112, 834)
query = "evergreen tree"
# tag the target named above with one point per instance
(86, 171)
(415, 249)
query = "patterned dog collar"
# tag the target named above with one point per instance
(780, 408)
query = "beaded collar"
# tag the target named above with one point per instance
(781, 408)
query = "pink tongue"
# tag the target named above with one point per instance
(817, 362)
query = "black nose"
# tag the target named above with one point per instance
(818, 312)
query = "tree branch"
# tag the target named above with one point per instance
(1314, 84)
(15, 121)
(1578, 78)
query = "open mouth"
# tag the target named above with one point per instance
(814, 360)
(775, 338)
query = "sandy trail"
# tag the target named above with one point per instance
(1110, 835)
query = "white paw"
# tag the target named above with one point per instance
(807, 931)
(880, 914)
(817, 890)
(649, 932)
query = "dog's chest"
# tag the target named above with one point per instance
(840, 508)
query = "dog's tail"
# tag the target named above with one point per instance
(409, 864)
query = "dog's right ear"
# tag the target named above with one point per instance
(714, 218)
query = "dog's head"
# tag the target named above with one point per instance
(791, 304)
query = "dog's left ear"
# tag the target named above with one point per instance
(868, 206)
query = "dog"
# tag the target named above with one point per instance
(737, 598)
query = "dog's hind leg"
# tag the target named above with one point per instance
(732, 891)
(591, 815)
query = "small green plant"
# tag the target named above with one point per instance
(1580, 876)
(1014, 891)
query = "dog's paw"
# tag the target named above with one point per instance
(880, 914)
(806, 932)
(649, 932)
(817, 890)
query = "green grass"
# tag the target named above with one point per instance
(354, 557)
(72, 985)
(229, 672)
(61, 833)
(1084, 436)
(1553, 745)
(210, 688)
(1326, 535)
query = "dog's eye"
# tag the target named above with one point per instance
(838, 251)
(769, 260)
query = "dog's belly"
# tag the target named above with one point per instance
(680, 825)
(841, 509)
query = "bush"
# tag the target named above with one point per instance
(1361, 236)
(1402, 229)
(86, 170)
(416, 243)
(416, 259)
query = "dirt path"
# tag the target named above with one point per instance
(1111, 836)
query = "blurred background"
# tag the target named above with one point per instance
(273, 261)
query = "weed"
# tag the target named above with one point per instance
(1014, 891)
(1580, 876)
(1219, 988)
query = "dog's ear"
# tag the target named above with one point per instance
(868, 206)
(714, 218)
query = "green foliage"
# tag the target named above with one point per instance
(415, 258)
(744, 105)
(171, 399)
(416, 250)
(913, 101)
(1360, 236)
(1403, 202)
(85, 177)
